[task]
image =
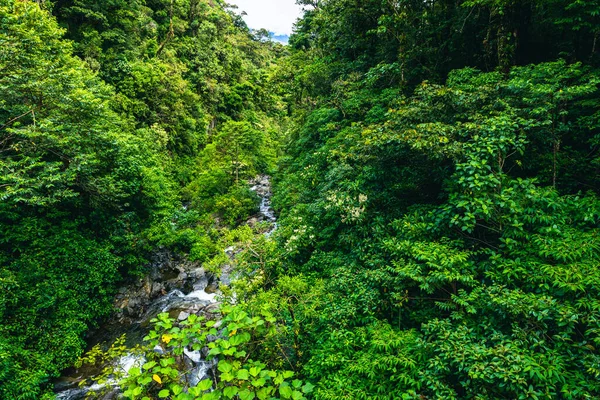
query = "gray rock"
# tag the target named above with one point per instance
(218, 324)
(212, 308)
(183, 316)
(157, 288)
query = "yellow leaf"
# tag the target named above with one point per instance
(167, 338)
(157, 378)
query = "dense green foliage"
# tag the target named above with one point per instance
(238, 375)
(440, 193)
(77, 187)
(437, 173)
(100, 138)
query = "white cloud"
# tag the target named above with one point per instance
(276, 16)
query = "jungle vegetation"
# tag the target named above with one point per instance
(436, 171)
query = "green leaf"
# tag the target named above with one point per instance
(204, 384)
(263, 393)
(308, 388)
(285, 390)
(230, 391)
(164, 393)
(243, 374)
(144, 380)
(215, 351)
(240, 354)
(296, 395)
(167, 361)
(149, 365)
(288, 374)
(224, 366)
(176, 389)
(227, 376)
(259, 382)
(246, 395)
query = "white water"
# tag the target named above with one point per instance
(202, 295)
(124, 364)
(262, 186)
(129, 361)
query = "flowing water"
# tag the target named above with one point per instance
(174, 285)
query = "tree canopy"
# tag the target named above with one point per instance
(436, 169)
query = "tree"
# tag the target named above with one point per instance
(76, 185)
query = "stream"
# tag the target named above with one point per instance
(174, 285)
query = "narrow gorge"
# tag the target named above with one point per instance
(175, 286)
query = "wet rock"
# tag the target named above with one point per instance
(197, 273)
(214, 308)
(211, 289)
(194, 356)
(72, 394)
(157, 289)
(147, 286)
(67, 383)
(183, 316)
(252, 222)
(203, 370)
(112, 395)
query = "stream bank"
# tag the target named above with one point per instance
(174, 285)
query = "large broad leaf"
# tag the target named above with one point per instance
(285, 390)
(205, 384)
(230, 391)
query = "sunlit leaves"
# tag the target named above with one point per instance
(236, 375)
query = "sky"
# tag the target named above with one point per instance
(277, 16)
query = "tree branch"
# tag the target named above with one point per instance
(12, 121)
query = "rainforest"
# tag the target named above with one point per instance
(401, 203)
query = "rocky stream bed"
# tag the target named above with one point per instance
(174, 285)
